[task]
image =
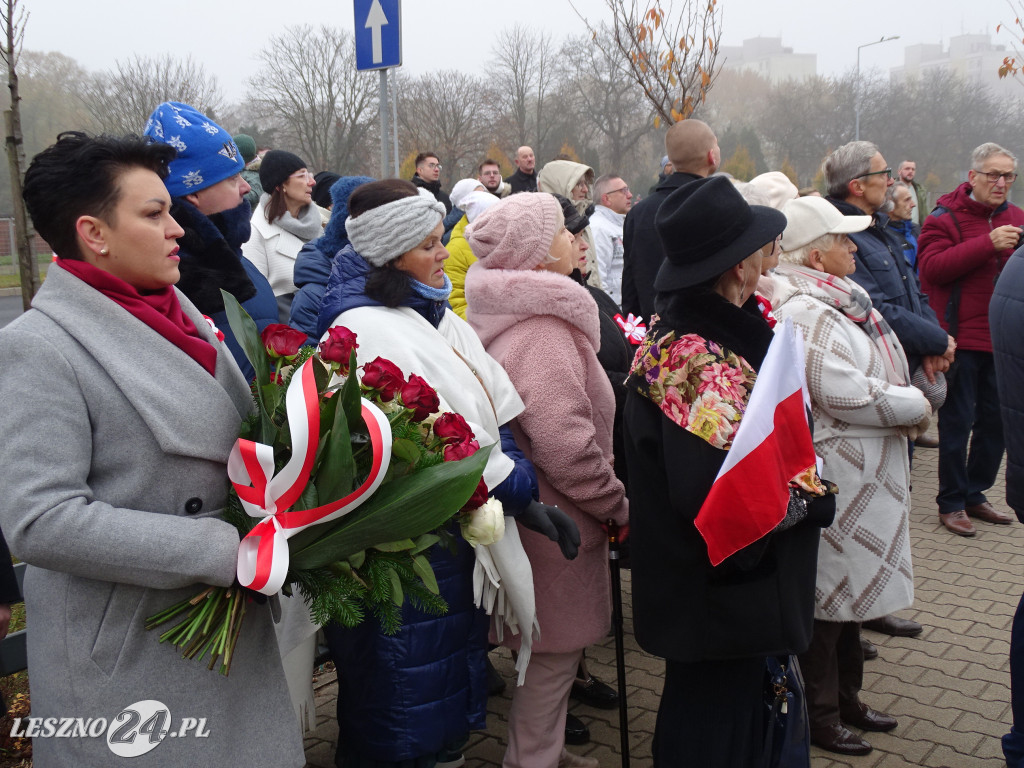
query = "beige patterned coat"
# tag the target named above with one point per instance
(864, 568)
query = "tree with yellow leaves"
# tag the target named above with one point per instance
(671, 53)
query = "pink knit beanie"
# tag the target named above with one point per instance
(517, 232)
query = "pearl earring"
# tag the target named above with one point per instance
(104, 251)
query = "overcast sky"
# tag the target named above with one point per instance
(442, 34)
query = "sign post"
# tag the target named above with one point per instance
(379, 46)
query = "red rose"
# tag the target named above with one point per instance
(338, 347)
(460, 450)
(383, 376)
(479, 497)
(420, 397)
(282, 341)
(452, 428)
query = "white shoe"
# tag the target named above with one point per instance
(569, 760)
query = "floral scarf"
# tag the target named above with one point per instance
(854, 302)
(698, 384)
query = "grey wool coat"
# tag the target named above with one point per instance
(113, 452)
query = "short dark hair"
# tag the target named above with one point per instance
(79, 176)
(388, 284)
(423, 156)
(488, 161)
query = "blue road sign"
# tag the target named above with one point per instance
(378, 34)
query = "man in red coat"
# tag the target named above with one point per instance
(964, 245)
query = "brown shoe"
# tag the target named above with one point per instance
(958, 522)
(839, 739)
(926, 441)
(868, 719)
(988, 514)
(869, 649)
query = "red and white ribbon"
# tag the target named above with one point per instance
(263, 553)
(632, 327)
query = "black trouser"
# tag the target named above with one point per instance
(833, 668)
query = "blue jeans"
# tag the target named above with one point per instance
(970, 415)
(1013, 742)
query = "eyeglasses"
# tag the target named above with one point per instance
(620, 189)
(886, 171)
(432, 166)
(303, 174)
(995, 176)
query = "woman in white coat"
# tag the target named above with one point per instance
(864, 410)
(122, 408)
(285, 220)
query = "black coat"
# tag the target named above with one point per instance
(522, 182)
(434, 188)
(642, 253)
(757, 602)
(1006, 319)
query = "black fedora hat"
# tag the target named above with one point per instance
(706, 227)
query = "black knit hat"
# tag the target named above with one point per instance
(322, 191)
(575, 222)
(276, 167)
(706, 227)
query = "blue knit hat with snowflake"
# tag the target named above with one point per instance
(206, 152)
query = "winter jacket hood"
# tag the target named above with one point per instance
(560, 176)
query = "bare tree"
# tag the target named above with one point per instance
(122, 99)
(523, 73)
(13, 22)
(447, 112)
(309, 86)
(605, 96)
(670, 52)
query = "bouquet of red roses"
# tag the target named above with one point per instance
(338, 489)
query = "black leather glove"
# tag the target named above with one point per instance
(553, 523)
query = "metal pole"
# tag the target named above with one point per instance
(383, 123)
(620, 649)
(856, 96)
(394, 123)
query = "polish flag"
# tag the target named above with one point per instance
(772, 445)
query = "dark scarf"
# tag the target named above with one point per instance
(160, 310)
(742, 330)
(211, 255)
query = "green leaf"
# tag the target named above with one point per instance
(406, 508)
(248, 337)
(421, 565)
(351, 398)
(309, 499)
(395, 546)
(397, 594)
(336, 475)
(424, 542)
(356, 559)
(405, 450)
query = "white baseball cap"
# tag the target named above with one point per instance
(809, 218)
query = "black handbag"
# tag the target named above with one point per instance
(787, 740)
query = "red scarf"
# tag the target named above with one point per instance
(161, 310)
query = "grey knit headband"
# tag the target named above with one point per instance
(384, 233)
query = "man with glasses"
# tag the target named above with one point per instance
(964, 245)
(857, 177)
(488, 173)
(613, 203)
(428, 175)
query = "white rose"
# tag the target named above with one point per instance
(485, 524)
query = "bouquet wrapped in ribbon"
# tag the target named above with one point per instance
(337, 492)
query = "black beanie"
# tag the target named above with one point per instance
(276, 167)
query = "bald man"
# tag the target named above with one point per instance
(525, 177)
(692, 149)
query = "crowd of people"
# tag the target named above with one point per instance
(606, 346)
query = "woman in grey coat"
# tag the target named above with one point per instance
(120, 409)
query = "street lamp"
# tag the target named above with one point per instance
(856, 101)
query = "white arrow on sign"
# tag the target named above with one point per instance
(374, 21)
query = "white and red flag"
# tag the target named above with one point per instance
(772, 445)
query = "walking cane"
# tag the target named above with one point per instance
(620, 650)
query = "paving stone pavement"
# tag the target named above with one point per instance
(949, 687)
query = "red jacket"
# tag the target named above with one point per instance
(955, 246)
